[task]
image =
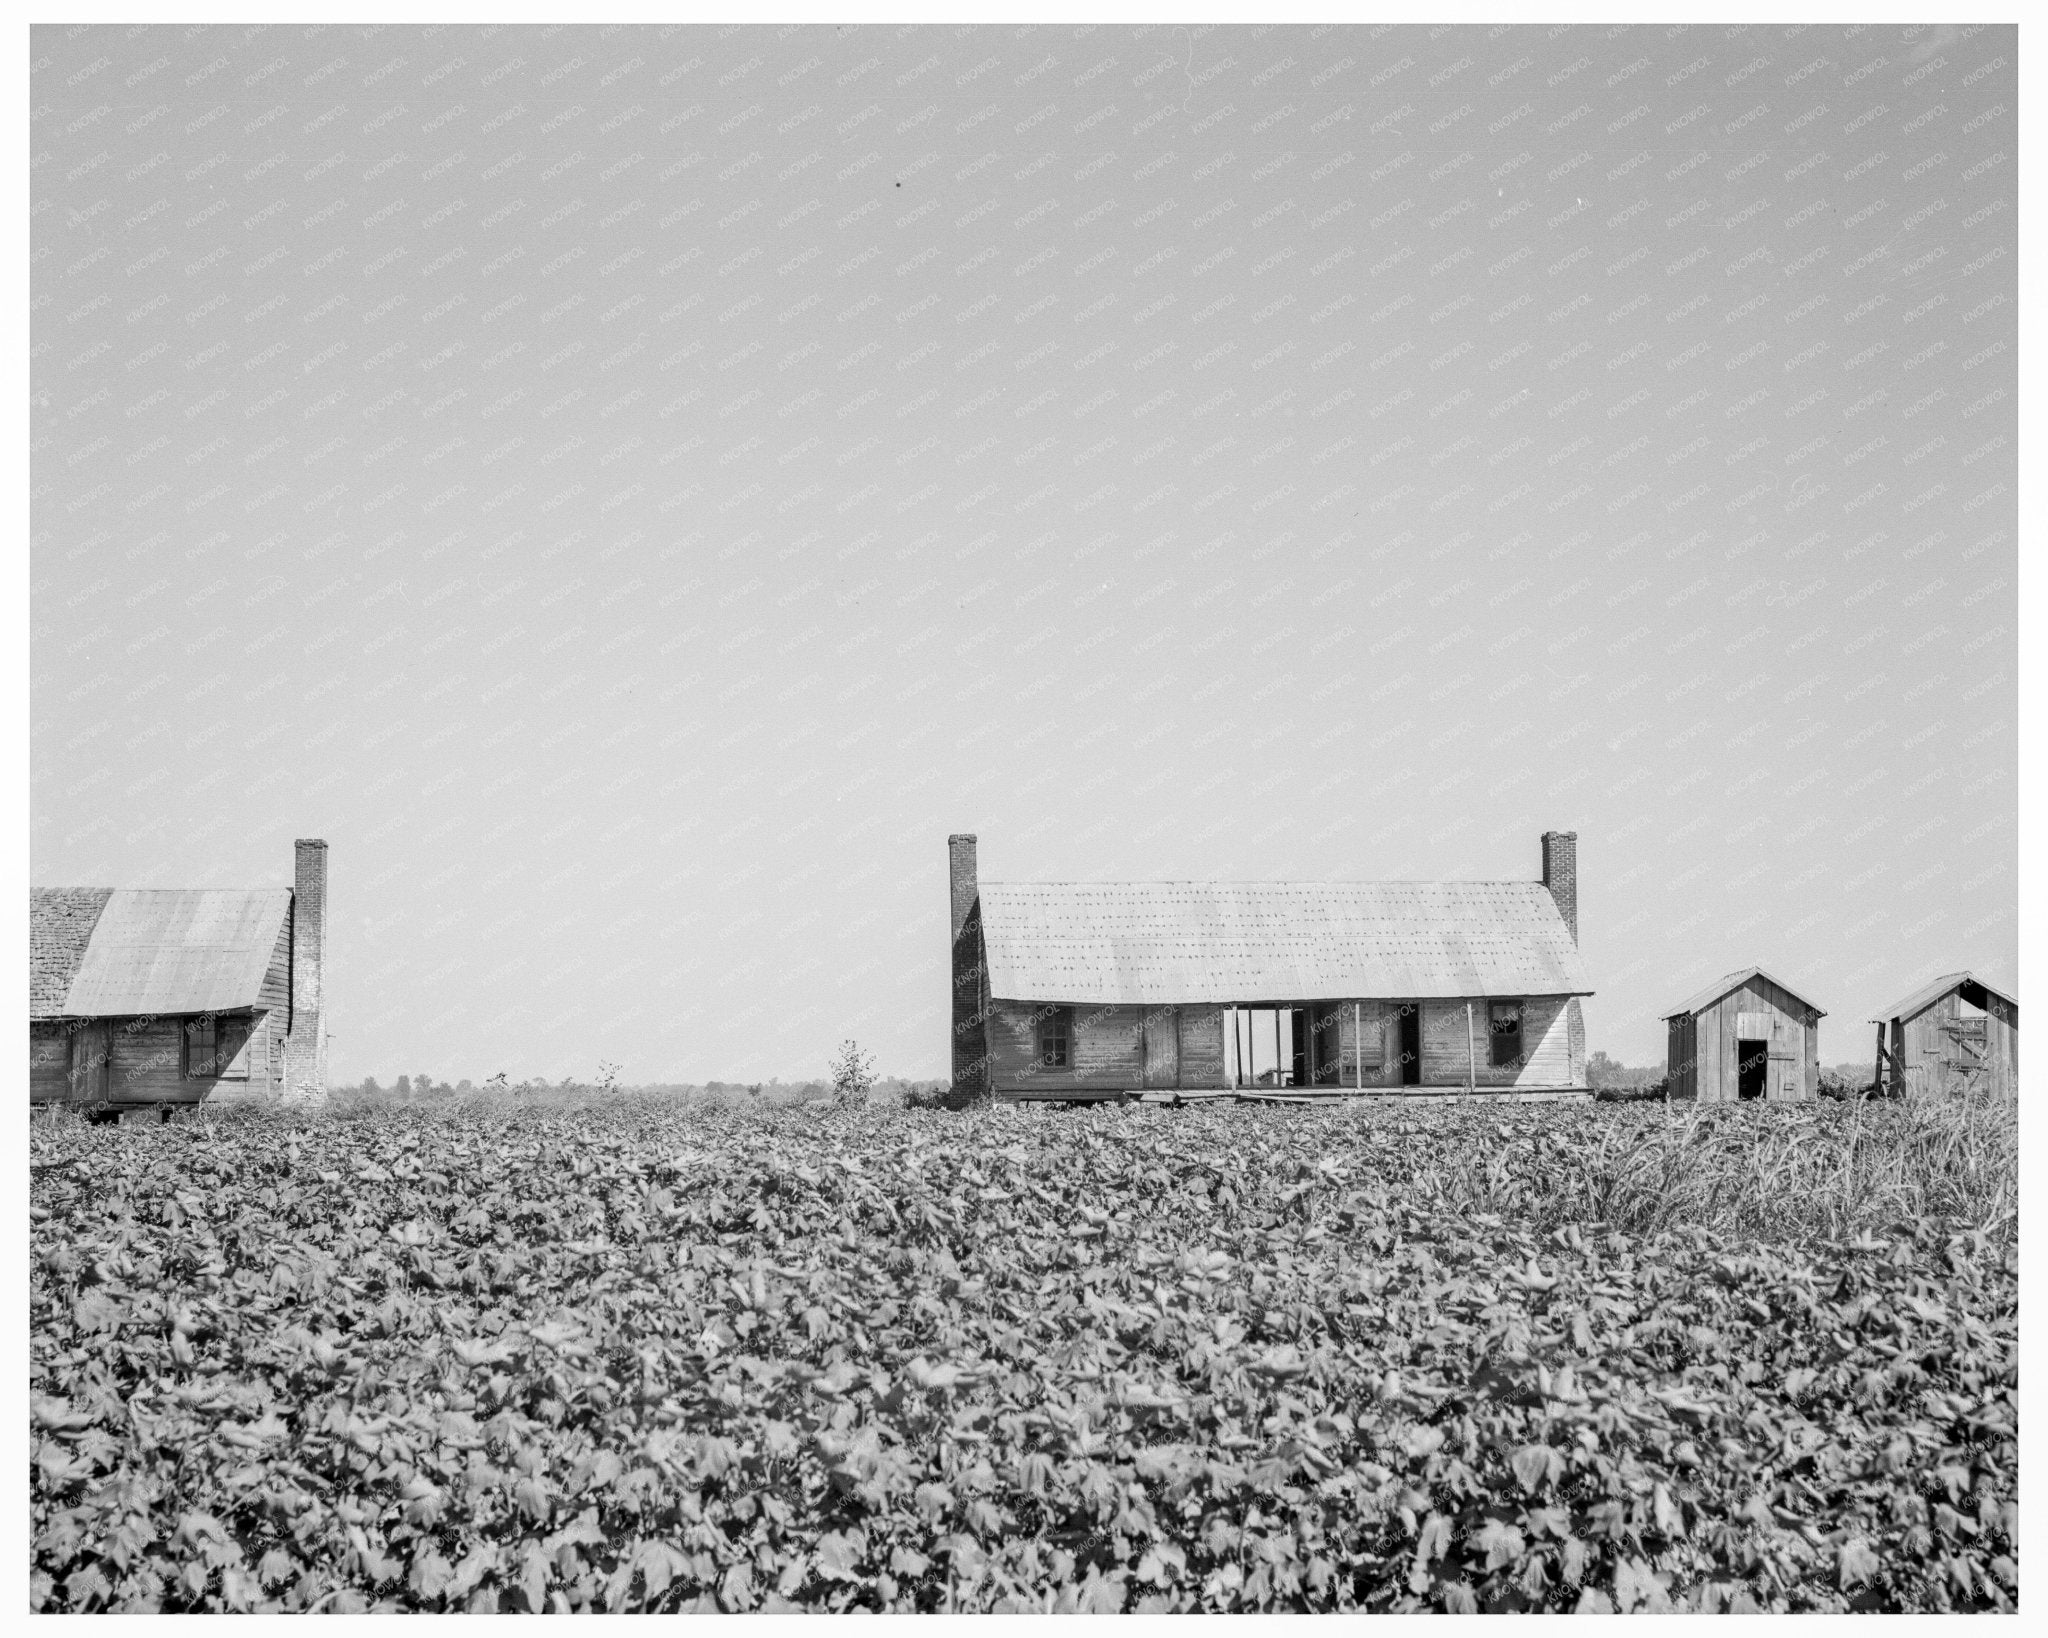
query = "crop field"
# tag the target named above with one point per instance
(631, 1355)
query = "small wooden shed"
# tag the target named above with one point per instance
(1745, 1037)
(1955, 1035)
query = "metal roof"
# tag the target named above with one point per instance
(1161, 943)
(172, 951)
(1933, 990)
(1721, 986)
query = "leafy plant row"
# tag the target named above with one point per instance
(1122, 1360)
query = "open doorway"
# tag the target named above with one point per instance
(1408, 1024)
(1269, 1046)
(1323, 1050)
(1752, 1069)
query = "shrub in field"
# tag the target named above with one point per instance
(1639, 1091)
(853, 1076)
(516, 1357)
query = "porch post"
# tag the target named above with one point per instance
(1471, 1055)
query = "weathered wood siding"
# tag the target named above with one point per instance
(49, 1063)
(1201, 1047)
(1112, 1049)
(267, 1061)
(1369, 1030)
(263, 1054)
(145, 1061)
(1103, 1055)
(1161, 1047)
(149, 1062)
(1934, 1060)
(1547, 1059)
(1794, 1049)
(1925, 1047)
(1680, 1071)
(1120, 1049)
(2002, 1045)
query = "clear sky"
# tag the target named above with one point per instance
(634, 491)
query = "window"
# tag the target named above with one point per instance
(1507, 1034)
(1056, 1038)
(217, 1049)
(202, 1050)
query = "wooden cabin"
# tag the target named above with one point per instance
(144, 999)
(1744, 1037)
(1092, 991)
(1954, 1036)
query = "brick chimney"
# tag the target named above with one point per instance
(306, 1048)
(960, 856)
(1561, 874)
(970, 980)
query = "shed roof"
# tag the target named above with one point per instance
(1721, 986)
(154, 951)
(1162, 943)
(1933, 990)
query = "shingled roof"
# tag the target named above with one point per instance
(136, 952)
(1164, 943)
(60, 924)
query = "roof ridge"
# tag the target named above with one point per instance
(1278, 881)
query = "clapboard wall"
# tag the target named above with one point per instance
(1113, 1049)
(1118, 1049)
(1937, 1062)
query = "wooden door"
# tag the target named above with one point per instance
(1161, 1027)
(92, 1050)
(1787, 1080)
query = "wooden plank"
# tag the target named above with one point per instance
(49, 1063)
(147, 1064)
(1201, 1046)
(1161, 1046)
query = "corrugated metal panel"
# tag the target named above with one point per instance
(1721, 986)
(1167, 943)
(161, 952)
(1933, 991)
(60, 924)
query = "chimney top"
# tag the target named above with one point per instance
(1561, 875)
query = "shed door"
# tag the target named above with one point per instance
(1787, 1083)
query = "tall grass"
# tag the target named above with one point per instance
(1761, 1171)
